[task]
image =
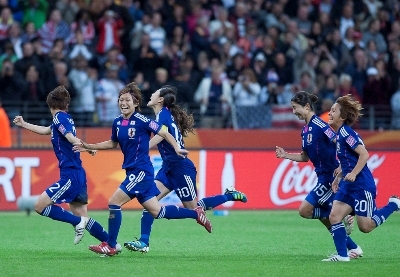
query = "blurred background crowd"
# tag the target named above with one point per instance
(232, 61)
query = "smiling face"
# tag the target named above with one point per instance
(126, 105)
(300, 111)
(335, 121)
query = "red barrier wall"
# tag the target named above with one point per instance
(269, 183)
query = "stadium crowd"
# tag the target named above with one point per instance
(221, 54)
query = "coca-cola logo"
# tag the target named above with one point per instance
(291, 183)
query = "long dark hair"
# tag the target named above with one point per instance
(303, 98)
(184, 120)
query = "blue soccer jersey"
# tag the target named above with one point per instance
(346, 141)
(63, 124)
(167, 152)
(133, 136)
(317, 139)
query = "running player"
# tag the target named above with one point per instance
(132, 130)
(356, 191)
(72, 186)
(319, 148)
(176, 173)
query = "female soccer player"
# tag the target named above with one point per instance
(176, 173)
(72, 187)
(318, 146)
(132, 130)
(357, 190)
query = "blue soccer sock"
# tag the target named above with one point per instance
(339, 238)
(321, 213)
(57, 213)
(114, 223)
(350, 244)
(96, 230)
(382, 214)
(146, 224)
(175, 212)
(209, 203)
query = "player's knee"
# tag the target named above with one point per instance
(334, 219)
(38, 207)
(305, 213)
(366, 228)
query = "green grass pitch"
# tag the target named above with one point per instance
(244, 243)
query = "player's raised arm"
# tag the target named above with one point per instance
(81, 145)
(41, 130)
(297, 157)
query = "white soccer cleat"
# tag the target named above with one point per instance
(348, 222)
(336, 258)
(355, 253)
(80, 229)
(395, 199)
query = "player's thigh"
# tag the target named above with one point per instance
(163, 189)
(119, 198)
(152, 206)
(306, 208)
(42, 202)
(339, 211)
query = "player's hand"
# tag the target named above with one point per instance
(92, 152)
(350, 177)
(19, 120)
(335, 185)
(181, 152)
(280, 152)
(337, 171)
(81, 147)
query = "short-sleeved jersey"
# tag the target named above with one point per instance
(317, 139)
(62, 125)
(346, 141)
(133, 136)
(167, 152)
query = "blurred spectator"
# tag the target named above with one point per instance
(276, 17)
(156, 33)
(29, 58)
(110, 30)
(373, 34)
(246, 91)
(358, 70)
(84, 80)
(395, 105)
(84, 25)
(8, 53)
(346, 19)
(54, 28)
(283, 69)
(240, 19)
(162, 79)
(5, 22)
(326, 105)
(144, 86)
(134, 9)
(236, 68)
(250, 42)
(107, 96)
(302, 19)
(11, 82)
(218, 26)
(270, 92)
(200, 39)
(268, 51)
(373, 7)
(331, 88)
(29, 32)
(34, 11)
(68, 10)
(114, 57)
(79, 47)
(14, 36)
(215, 97)
(60, 78)
(307, 62)
(345, 87)
(5, 134)
(338, 49)
(178, 19)
(145, 59)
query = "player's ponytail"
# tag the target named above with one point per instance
(303, 98)
(184, 120)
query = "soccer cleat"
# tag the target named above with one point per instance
(137, 245)
(395, 199)
(336, 258)
(237, 195)
(202, 219)
(118, 247)
(80, 229)
(103, 248)
(355, 253)
(348, 222)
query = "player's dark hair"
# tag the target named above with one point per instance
(349, 109)
(303, 98)
(184, 120)
(134, 91)
(58, 99)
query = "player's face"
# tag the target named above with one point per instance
(299, 111)
(335, 121)
(154, 99)
(126, 105)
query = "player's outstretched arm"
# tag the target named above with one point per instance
(41, 130)
(155, 140)
(297, 157)
(74, 140)
(83, 146)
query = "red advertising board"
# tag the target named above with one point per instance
(269, 183)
